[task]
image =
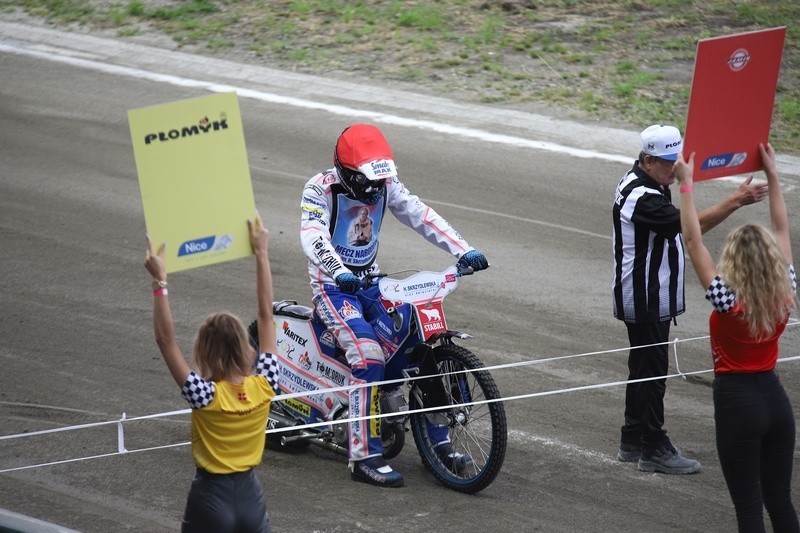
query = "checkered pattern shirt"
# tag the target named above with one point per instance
(200, 392)
(723, 299)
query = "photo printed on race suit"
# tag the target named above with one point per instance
(355, 235)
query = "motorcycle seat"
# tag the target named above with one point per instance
(292, 309)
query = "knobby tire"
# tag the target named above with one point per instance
(481, 431)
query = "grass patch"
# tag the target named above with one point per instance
(421, 17)
(625, 62)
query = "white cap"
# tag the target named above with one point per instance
(662, 141)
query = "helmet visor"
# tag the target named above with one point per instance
(360, 186)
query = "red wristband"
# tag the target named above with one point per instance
(160, 292)
(685, 188)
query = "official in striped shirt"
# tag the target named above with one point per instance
(648, 289)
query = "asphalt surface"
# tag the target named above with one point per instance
(534, 193)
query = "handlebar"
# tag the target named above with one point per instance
(465, 270)
(370, 278)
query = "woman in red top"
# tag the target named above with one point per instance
(753, 293)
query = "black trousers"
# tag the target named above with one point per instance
(755, 441)
(644, 402)
(226, 503)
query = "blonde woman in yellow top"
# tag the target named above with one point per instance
(230, 393)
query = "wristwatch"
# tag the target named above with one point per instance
(159, 284)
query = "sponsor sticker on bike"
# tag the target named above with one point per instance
(297, 406)
(431, 319)
(421, 287)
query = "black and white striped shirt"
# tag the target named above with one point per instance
(648, 251)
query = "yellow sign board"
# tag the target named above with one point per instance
(195, 179)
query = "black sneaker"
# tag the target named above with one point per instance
(456, 462)
(667, 460)
(375, 471)
(629, 453)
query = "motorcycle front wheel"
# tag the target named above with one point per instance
(477, 431)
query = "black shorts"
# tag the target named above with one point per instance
(226, 502)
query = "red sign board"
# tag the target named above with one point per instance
(431, 319)
(730, 107)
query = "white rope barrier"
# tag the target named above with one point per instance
(121, 450)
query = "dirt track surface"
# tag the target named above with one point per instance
(76, 345)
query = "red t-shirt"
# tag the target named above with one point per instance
(733, 348)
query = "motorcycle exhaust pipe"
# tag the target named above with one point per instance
(279, 420)
(314, 438)
(326, 445)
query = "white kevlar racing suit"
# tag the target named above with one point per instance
(328, 216)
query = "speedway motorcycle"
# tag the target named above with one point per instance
(432, 381)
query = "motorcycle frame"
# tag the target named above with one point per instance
(402, 327)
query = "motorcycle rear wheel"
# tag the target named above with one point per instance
(393, 438)
(478, 431)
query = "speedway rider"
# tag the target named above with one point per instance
(365, 176)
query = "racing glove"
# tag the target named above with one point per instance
(474, 259)
(349, 283)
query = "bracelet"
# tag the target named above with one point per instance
(160, 292)
(159, 284)
(685, 188)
